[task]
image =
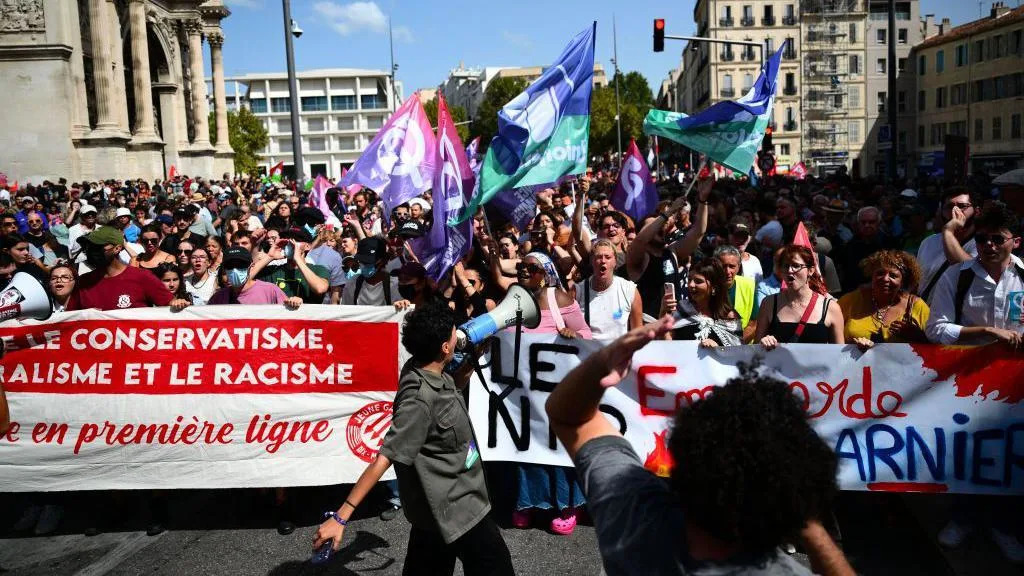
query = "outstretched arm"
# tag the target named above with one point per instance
(572, 407)
(826, 558)
(689, 243)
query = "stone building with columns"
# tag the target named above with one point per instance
(96, 89)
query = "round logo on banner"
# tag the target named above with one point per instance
(366, 429)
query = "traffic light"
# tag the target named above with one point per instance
(659, 34)
(766, 142)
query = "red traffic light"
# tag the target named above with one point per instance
(659, 34)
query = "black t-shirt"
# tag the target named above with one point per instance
(651, 283)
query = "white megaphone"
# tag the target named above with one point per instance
(24, 297)
(517, 306)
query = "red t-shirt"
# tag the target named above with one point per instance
(132, 288)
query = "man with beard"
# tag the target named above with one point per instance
(652, 264)
(112, 284)
(954, 244)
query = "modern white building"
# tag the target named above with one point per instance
(340, 111)
(465, 87)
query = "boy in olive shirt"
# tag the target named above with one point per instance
(293, 274)
(432, 446)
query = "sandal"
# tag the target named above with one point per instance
(564, 524)
(521, 518)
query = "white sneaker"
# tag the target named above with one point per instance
(1009, 545)
(954, 534)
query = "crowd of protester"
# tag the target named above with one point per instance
(919, 262)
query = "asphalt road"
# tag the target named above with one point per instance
(227, 532)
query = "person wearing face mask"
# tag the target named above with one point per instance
(313, 222)
(413, 285)
(374, 286)
(296, 276)
(112, 284)
(243, 288)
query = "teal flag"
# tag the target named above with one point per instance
(728, 132)
(543, 132)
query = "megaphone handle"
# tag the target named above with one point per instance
(519, 338)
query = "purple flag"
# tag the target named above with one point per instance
(519, 205)
(474, 163)
(318, 195)
(635, 194)
(453, 183)
(399, 163)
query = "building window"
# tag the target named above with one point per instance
(284, 126)
(961, 55)
(343, 102)
(769, 44)
(881, 102)
(920, 136)
(1000, 45)
(938, 133)
(958, 94)
(940, 61)
(854, 129)
(853, 32)
(280, 105)
(854, 64)
(374, 122)
(922, 65)
(854, 96)
(371, 102)
(940, 97)
(880, 66)
(1017, 42)
(313, 103)
(258, 106)
(901, 36)
(979, 129)
(346, 123)
(346, 143)
(748, 81)
(315, 124)
(901, 101)
(921, 98)
(901, 65)
(881, 36)
(284, 145)
(1015, 126)
(997, 128)
(790, 87)
(958, 128)
(784, 149)
(901, 143)
(748, 15)
(978, 52)
(317, 145)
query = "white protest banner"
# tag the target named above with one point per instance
(902, 418)
(210, 397)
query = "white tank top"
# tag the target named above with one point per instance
(608, 309)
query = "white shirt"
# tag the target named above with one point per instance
(609, 308)
(74, 248)
(751, 268)
(987, 303)
(931, 256)
(203, 291)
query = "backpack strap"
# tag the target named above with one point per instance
(359, 287)
(935, 279)
(586, 300)
(387, 291)
(963, 284)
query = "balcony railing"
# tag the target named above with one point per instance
(789, 126)
(746, 21)
(768, 21)
(789, 20)
(747, 55)
(727, 92)
(725, 22)
(789, 90)
(830, 7)
(727, 55)
(789, 54)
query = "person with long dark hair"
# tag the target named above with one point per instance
(715, 323)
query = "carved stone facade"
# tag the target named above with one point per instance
(111, 88)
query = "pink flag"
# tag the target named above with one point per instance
(318, 195)
(802, 238)
(399, 163)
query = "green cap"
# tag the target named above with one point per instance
(104, 235)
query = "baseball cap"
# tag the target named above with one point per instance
(411, 269)
(102, 236)
(237, 257)
(182, 214)
(739, 226)
(309, 215)
(123, 212)
(297, 234)
(411, 229)
(27, 200)
(370, 249)
(908, 193)
(165, 219)
(87, 209)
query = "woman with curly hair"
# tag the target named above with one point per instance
(887, 309)
(802, 312)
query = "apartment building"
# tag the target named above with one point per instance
(340, 111)
(465, 87)
(909, 32)
(724, 72)
(970, 82)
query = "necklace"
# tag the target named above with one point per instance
(198, 285)
(880, 312)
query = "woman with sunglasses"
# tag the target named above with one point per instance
(886, 309)
(62, 281)
(184, 256)
(549, 487)
(152, 256)
(802, 312)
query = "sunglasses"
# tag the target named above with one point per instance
(995, 239)
(530, 268)
(150, 240)
(187, 252)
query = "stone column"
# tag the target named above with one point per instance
(219, 98)
(120, 92)
(103, 73)
(200, 107)
(144, 117)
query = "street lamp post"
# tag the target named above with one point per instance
(293, 94)
(618, 112)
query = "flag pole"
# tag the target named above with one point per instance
(696, 176)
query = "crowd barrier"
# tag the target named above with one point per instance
(229, 396)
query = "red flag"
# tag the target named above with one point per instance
(172, 173)
(799, 171)
(277, 170)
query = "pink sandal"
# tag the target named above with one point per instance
(564, 524)
(521, 518)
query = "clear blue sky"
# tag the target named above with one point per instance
(433, 36)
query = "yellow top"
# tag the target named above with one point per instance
(859, 316)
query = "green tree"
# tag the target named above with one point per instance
(458, 114)
(247, 136)
(499, 92)
(635, 100)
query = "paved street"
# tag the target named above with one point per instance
(214, 533)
